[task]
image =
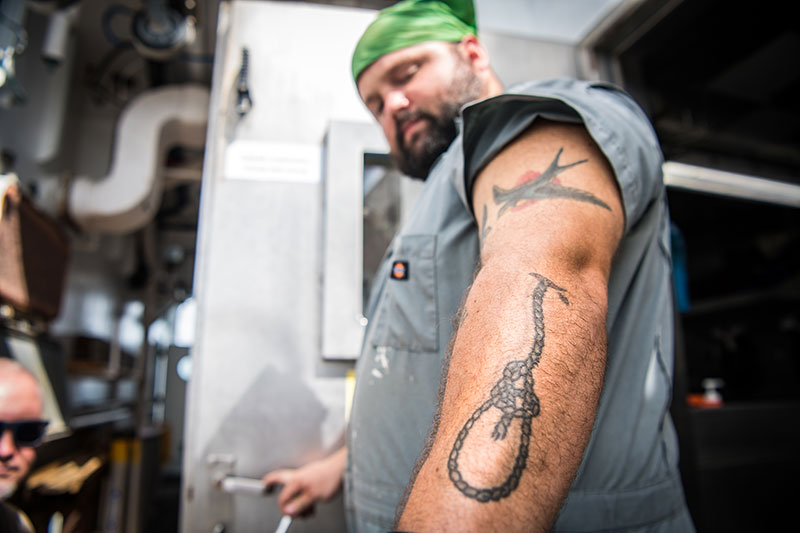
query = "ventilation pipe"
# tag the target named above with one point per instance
(128, 198)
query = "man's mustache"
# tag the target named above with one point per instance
(405, 117)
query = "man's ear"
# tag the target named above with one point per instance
(474, 52)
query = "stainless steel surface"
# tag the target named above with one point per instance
(342, 314)
(260, 393)
(542, 20)
(600, 63)
(346, 213)
(712, 181)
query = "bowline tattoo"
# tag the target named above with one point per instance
(544, 187)
(514, 401)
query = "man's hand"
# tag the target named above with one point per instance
(305, 486)
(522, 383)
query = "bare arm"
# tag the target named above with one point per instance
(526, 368)
(305, 486)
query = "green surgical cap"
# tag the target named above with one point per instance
(413, 22)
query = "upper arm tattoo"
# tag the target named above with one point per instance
(536, 186)
(485, 228)
(514, 396)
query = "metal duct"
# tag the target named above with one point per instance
(128, 197)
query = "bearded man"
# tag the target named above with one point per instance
(539, 248)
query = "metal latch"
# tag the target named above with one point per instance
(247, 485)
(243, 100)
(239, 484)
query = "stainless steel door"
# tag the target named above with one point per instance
(261, 395)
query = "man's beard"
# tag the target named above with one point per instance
(441, 130)
(7, 488)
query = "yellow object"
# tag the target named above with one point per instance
(136, 451)
(119, 451)
(63, 478)
(349, 389)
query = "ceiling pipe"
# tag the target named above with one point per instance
(129, 196)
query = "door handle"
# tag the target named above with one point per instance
(237, 484)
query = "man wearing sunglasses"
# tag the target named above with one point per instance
(21, 429)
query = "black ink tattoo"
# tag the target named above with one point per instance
(514, 400)
(544, 187)
(484, 228)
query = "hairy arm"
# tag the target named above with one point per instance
(526, 369)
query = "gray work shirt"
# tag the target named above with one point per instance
(628, 478)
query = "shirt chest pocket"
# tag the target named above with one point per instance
(407, 313)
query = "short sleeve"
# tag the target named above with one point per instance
(615, 122)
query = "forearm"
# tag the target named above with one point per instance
(302, 487)
(338, 460)
(521, 389)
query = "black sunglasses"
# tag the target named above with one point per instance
(26, 432)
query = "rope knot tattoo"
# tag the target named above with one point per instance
(514, 397)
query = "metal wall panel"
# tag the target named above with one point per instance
(260, 396)
(343, 322)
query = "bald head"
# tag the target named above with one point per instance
(20, 395)
(20, 400)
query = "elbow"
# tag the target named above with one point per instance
(582, 270)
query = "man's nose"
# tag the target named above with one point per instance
(396, 100)
(7, 445)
